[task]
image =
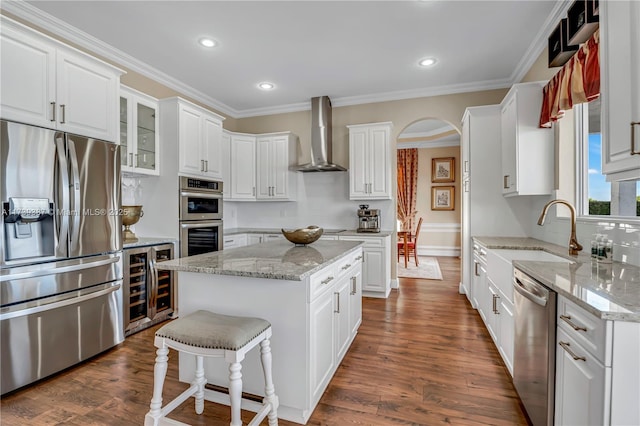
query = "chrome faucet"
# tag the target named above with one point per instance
(574, 245)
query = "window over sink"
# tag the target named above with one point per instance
(596, 196)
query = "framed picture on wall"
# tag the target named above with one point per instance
(443, 169)
(442, 197)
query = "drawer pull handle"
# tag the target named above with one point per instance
(565, 346)
(347, 266)
(359, 257)
(567, 319)
(326, 280)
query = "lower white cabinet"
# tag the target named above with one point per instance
(580, 384)
(254, 239)
(491, 284)
(597, 368)
(236, 240)
(376, 271)
(335, 315)
(322, 343)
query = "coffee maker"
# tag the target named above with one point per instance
(368, 219)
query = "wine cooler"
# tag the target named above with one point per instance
(149, 294)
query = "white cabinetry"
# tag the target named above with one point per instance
(139, 135)
(260, 166)
(485, 211)
(275, 154)
(254, 239)
(233, 241)
(369, 161)
(335, 317)
(493, 295)
(243, 167)
(198, 133)
(620, 89)
(49, 84)
(376, 273)
(596, 368)
(527, 149)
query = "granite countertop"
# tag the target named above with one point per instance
(609, 291)
(148, 241)
(280, 260)
(327, 231)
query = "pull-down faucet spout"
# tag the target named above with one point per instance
(574, 246)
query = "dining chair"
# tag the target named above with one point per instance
(407, 243)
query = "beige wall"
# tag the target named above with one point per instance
(431, 236)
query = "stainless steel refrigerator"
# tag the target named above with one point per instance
(60, 253)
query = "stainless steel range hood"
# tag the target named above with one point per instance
(321, 139)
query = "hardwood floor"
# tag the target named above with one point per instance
(421, 357)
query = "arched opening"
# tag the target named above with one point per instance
(428, 171)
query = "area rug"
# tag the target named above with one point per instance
(428, 269)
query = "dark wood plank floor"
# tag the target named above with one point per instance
(421, 357)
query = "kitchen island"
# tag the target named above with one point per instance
(311, 295)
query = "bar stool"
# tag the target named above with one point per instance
(207, 334)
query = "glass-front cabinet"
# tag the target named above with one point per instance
(138, 132)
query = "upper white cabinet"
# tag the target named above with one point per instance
(198, 133)
(369, 161)
(139, 137)
(275, 154)
(243, 167)
(527, 149)
(49, 84)
(260, 166)
(620, 89)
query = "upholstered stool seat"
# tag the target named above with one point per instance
(208, 334)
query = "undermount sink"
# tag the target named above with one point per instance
(535, 255)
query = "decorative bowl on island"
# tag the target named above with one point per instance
(303, 236)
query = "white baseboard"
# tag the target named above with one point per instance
(445, 251)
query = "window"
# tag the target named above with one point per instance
(596, 196)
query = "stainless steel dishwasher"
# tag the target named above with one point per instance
(534, 347)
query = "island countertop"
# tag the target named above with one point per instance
(280, 260)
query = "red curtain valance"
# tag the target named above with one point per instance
(578, 81)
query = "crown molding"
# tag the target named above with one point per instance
(37, 17)
(72, 34)
(540, 41)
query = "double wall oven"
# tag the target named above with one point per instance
(200, 216)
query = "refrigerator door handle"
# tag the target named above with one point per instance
(63, 269)
(75, 186)
(72, 301)
(63, 210)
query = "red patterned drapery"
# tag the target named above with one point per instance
(577, 81)
(407, 186)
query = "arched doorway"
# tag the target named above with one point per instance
(435, 180)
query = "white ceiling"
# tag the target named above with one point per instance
(353, 51)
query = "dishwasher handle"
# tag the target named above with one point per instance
(520, 286)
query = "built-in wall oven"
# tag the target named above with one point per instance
(200, 216)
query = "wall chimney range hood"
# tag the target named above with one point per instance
(321, 138)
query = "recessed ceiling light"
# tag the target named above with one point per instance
(427, 62)
(207, 42)
(265, 85)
